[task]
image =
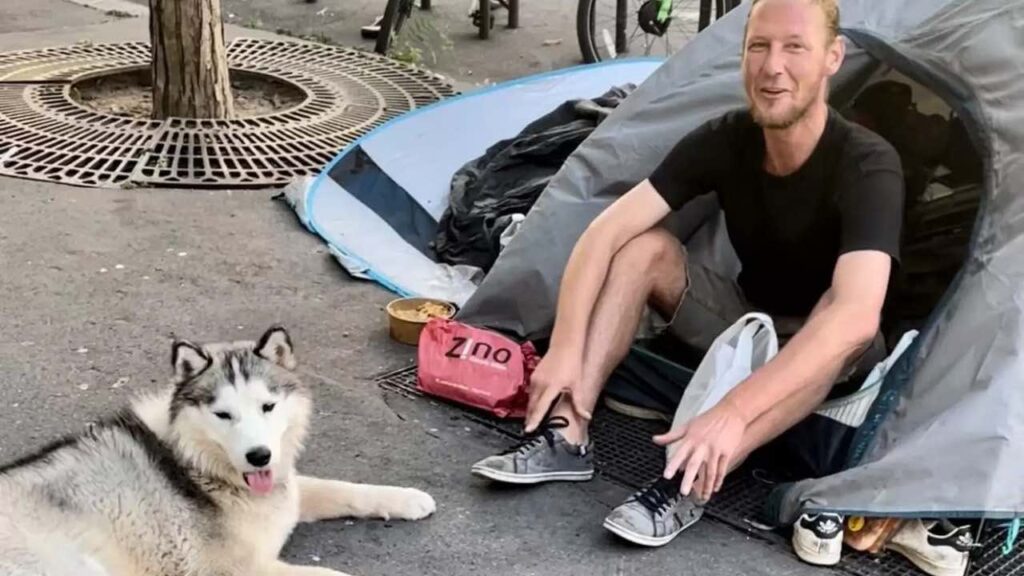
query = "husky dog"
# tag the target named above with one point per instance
(199, 480)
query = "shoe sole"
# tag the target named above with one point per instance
(636, 411)
(813, 557)
(511, 478)
(651, 541)
(925, 564)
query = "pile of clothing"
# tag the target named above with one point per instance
(491, 195)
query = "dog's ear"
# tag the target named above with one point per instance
(276, 345)
(188, 360)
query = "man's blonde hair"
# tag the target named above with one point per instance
(829, 7)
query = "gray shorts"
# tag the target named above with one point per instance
(711, 303)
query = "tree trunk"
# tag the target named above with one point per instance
(190, 66)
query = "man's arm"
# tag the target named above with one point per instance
(842, 326)
(690, 169)
(790, 386)
(637, 211)
(634, 213)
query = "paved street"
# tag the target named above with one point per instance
(96, 282)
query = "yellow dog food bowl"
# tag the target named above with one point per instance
(408, 316)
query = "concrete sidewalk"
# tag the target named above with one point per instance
(77, 342)
(96, 282)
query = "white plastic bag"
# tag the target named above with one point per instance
(740, 350)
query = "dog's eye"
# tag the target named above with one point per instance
(222, 415)
(268, 408)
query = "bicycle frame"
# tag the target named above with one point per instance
(664, 10)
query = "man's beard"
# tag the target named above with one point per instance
(791, 117)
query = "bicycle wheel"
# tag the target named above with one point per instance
(609, 29)
(395, 14)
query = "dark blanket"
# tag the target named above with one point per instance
(510, 176)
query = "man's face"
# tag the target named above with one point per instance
(787, 60)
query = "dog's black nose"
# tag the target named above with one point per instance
(258, 456)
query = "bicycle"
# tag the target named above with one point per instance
(483, 15)
(395, 14)
(664, 21)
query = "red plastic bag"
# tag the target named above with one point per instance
(475, 367)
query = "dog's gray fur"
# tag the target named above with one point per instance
(159, 489)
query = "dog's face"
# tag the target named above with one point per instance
(238, 410)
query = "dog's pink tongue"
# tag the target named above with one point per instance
(261, 482)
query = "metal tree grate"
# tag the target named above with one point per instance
(45, 134)
(70, 63)
(624, 453)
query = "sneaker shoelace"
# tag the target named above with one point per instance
(659, 495)
(544, 433)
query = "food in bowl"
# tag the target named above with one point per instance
(424, 312)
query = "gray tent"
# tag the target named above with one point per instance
(946, 436)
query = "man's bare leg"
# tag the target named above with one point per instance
(650, 269)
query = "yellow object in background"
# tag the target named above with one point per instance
(855, 523)
(870, 534)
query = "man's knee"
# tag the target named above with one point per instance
(656, 262)
(649, 253)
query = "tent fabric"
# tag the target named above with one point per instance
(378, 203)
(946, 436)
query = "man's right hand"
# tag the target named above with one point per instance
(556, 374)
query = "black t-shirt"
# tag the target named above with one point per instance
(789, 231)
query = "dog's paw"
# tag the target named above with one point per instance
(413, 504)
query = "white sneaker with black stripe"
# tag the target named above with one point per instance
(938, 548)
(818, 538)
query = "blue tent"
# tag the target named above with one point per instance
(377, 204)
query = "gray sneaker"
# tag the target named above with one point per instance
(544, 456)
(655, 515)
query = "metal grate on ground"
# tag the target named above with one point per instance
(46, 134)
(69, 63)
(624, 454)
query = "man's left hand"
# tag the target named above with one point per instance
(706, 445)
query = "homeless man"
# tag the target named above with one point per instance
(813, 206)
